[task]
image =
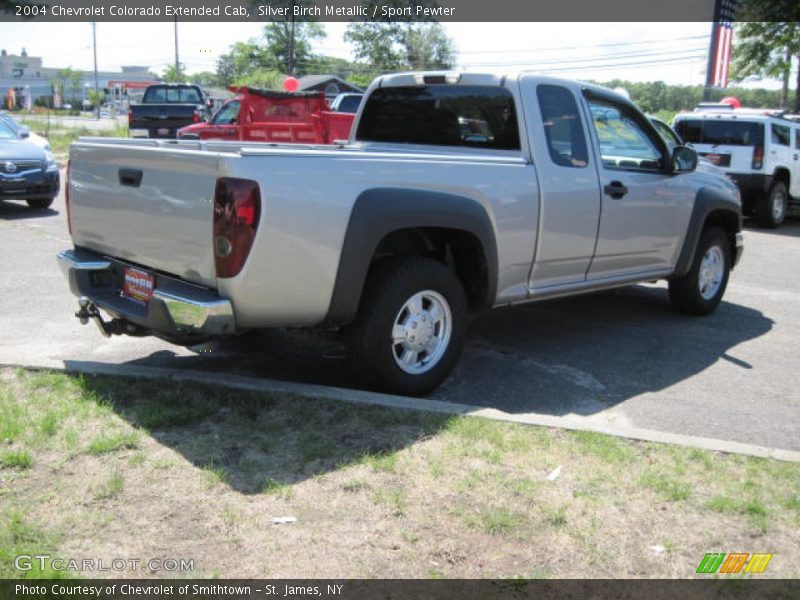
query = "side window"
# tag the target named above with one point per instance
(228, 114)
(781, 135)
(624, 143)
(562, 126)
(797, 138)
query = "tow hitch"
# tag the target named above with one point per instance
(87, 310)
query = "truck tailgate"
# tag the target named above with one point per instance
(145, 205)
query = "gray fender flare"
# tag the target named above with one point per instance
(707, 201)
(378, 212)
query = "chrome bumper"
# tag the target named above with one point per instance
(176, 308)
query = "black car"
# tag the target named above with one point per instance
(27, 172)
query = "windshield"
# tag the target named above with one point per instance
(6, 133)
(722, 132)
(10, 123)
(349, 104)
(172, 95)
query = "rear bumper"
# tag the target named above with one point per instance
(177, 309)
(752, 186)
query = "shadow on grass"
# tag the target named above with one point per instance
(261, 442)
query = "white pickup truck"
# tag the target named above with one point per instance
(457, 192)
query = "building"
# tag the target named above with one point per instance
(27, 76)
(330, 84)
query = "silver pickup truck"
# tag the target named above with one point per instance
(457, 192)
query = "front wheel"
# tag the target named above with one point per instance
(700, 291)
(771, 209)
(39, 203)
(410, 326)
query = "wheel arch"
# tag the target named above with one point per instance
(783, 174)
(712, 208)
(454, 229)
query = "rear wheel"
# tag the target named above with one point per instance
(410, 326)
(771, 209)
(700, 291)
(39, 203)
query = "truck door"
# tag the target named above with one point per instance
(780, 150)
(225, 123)
(644, 209)
(794, 191)
(569, 191)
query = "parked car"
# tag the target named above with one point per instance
(165, 108)
(758, 149)
(347, 103)
(396, 237)
(27, 172)
(269, 116)
(23, 132)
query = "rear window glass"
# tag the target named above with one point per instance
(728, 133)
(441, 115)
(178, 95)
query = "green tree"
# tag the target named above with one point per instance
(174, 74)
(401, 46)
(96, 98)
(203, 78)
(766, 41)
(262, 78)
(288, 44)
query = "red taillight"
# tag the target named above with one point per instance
(130, 117)
(196, 117)
(758, 157)
(237, 207)
(66, 197)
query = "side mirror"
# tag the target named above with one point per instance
(24, 133)
(684, 159)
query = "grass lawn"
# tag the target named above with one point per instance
(110, 468)
(61, 137)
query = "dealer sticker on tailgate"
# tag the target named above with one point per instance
(139, 285)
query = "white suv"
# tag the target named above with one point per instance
(757, 149)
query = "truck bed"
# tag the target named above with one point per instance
(165, 224)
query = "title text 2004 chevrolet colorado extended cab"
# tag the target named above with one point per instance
(457, 192)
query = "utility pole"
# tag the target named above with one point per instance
(712, 53)
(177, 61)
(96, 85)
(291, 45)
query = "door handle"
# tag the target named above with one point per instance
(615, 189)
(130, 177)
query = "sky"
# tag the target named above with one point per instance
(671, 52)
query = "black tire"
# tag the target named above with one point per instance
(767, 212)
(685, 292)
(389, 286)
(39, 203)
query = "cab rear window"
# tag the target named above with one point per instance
(441, 115)
(717, 133)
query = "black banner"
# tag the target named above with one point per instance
(480, 589)
(393, 10)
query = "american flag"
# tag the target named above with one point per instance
(723, 33)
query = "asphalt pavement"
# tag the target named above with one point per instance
(617, 358)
